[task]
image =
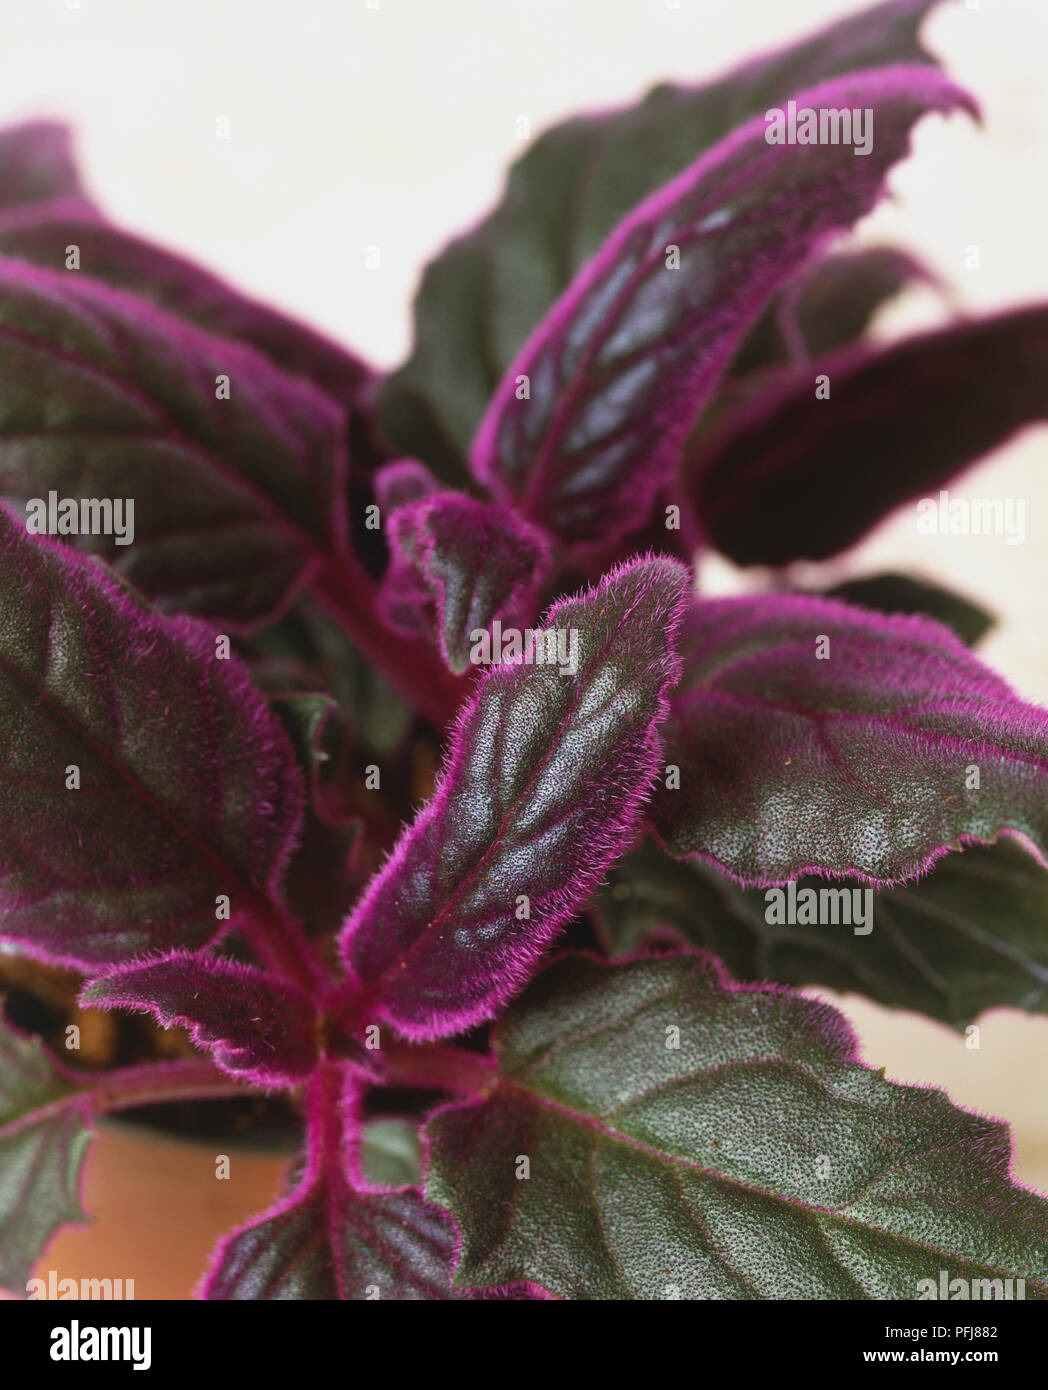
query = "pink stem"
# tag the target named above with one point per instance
(324, 1119)
(105, 1092)
(439, 1068)
(282, 943)
(414, 667)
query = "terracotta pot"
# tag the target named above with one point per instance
(158, 1208)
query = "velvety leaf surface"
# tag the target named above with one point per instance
(754, 1159)
(403, 481)
(861, 762)
(188, 787)
(899, 423)
(621, 366)
(257, 1027)
(901, 593)
(970, 936)
(458, 565)
(36, 162)
(41, 1153)
(391, 1153)
(407, 601)
(544, 783)
(483, 295)
(826, 306)
(43, 233)
(235, 501)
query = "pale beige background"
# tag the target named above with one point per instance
(355, 125)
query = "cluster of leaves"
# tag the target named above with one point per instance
(212, 736)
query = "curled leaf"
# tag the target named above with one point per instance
(590, 418)
(258, 1027)
(483, 295)
(458, 565)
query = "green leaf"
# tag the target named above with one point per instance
(901, 593)
(391, 1153)
(432, 405)
(746, 1155)
(482, 296)
(41, 1154)
(970, 936)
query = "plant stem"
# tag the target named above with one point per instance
(439, 1068)
(149, 1084)
(191, 1079)
(284, 945)
(414, 667)
(324, 1119)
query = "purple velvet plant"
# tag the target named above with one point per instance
(215, 731)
